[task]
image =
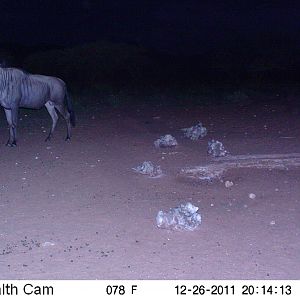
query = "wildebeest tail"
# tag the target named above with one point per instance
(70, 108)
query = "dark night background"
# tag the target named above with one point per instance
(117, 44)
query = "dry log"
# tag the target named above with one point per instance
(219, 166)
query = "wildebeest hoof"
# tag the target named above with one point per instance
(48, 138)
(9, 144)
(67, 138)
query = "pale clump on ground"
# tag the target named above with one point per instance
(195, 132)
(165, 141)
(216, 149)
(148, 168)
(184, 217)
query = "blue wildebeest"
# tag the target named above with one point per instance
(21, 89)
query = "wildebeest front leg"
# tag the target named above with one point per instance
(51, 110)
(12, 119)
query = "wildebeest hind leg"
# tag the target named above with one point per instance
(12, 117)
(51, 110)
(64, 112)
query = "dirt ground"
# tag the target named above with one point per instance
(76, 210)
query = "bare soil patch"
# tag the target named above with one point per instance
(76, 210)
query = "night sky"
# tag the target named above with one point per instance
(177, 27)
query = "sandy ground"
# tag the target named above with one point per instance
(76, 210)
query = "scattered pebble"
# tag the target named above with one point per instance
(252, 196)
(272, 222)
(228, 183)
(47, 244)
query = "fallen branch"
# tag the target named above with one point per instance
(219, 166)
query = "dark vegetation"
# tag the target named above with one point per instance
(123, 73)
